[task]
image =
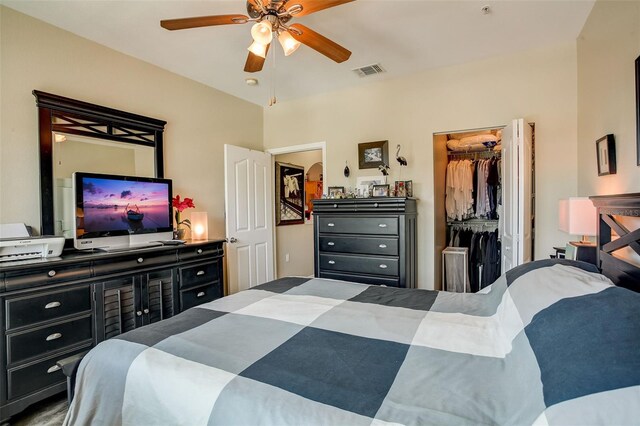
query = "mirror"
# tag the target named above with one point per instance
(73, 153)
(78, 136)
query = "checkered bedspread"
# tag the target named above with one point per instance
(549, 344)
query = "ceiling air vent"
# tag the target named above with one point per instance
(369, 70)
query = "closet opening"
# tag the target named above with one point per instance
(484, 204)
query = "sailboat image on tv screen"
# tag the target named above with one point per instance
(134, 214)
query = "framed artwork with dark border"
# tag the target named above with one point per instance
(289, 194)
(335, 191)
(606, 154)
(381, 190)
(638, 109)
(373, 154)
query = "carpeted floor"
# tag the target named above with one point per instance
(49, 412)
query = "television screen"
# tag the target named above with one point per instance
(108, 205)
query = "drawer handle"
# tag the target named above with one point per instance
(54, 336)
(140, 260)
(201, 294)
(199, 251)
(332, 262)
(335, 206)
(382, 246)
(383, 266)
(51, 273)
(146, 311)
(139, 313)
(52, 305)
(331, 243)
(382, 225)
(331, 225)
(200, 273)
(375, 204)
(53, 369)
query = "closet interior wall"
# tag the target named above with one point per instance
(441, 161)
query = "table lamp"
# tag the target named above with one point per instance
(199, 226)
(578, 216)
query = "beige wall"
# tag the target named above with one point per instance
(35, 55)
(539, 85)
(607, 48)
(296, 240)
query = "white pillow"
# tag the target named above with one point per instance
(480, 139)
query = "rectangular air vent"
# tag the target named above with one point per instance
(369, 70)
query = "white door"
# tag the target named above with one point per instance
(516, 194)
(249, 217)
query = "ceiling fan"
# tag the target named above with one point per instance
(271, 19)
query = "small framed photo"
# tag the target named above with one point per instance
(381, 190)
(373, 154)
(401, 189)
(335, 191)
(606, 153)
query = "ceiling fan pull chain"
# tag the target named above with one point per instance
(272, 98)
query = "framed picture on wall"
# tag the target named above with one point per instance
(289, 194)
(638, 109)
(606, 153)
(373, 154)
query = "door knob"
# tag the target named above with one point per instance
(233, 240)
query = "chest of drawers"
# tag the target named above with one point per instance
(371, 240)
(53, 309)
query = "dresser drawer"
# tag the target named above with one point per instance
(358, 225)
(132, 262)
(199, 274)
(363, 279)
(48, 339)
(362, 245)
(359, 264)
(200, 295)
(195, 252)
(24, 380)
(47, 306)
(43, 276)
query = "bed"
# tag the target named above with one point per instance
(551, 342)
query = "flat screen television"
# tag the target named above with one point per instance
(120, 212)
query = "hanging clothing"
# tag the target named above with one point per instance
(459, 189)
(484, 256)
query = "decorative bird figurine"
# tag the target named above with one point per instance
(400, 158)
(384, 169)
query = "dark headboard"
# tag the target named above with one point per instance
(610, 208)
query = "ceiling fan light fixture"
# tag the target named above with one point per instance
(288, 43)
(258, 49)
(262, 32)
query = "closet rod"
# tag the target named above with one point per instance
(475, 154)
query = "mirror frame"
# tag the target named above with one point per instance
(65, 115)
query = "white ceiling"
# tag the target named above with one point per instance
(405, 36)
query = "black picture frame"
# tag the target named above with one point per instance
(289, 194)
(380, 190)
(373, 154)
(335, 191)
(638, 109)
(606, 155)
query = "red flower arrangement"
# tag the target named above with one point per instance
(180, 206)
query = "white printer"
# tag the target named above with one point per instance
(17, 244)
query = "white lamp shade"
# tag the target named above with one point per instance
(262, 32)
(258, 49)
(288, 43)
(199, 226)
(578, 216)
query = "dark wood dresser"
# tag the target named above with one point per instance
(367, 240)
(52, 309)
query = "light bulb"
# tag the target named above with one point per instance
(288, 43)
(198, 230)
(262, 32)
(258, 49)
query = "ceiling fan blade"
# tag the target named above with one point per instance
(311, 6)
(319, 43)
(203, 21)
(254, 62)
